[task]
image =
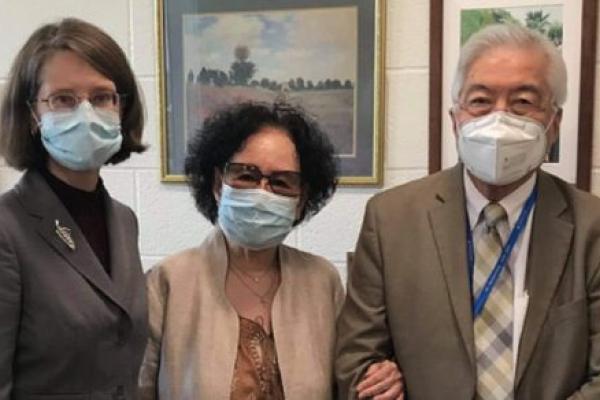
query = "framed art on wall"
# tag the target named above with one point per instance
(325, 56)
(569, 24)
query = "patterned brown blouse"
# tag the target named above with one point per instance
(256, 375)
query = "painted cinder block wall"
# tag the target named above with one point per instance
(168, 219)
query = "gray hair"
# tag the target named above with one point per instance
(497, 35)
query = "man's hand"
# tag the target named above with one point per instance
(382, 381)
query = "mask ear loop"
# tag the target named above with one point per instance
(452, 111)
(35, 118)
(551, 119)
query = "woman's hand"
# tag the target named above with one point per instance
(382, 381)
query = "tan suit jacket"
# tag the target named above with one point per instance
(68, 330)
(409, 297)
(194, 329)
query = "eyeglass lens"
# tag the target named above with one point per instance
(249, 176)
(64, 101)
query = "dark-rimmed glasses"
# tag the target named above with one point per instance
(249, 176)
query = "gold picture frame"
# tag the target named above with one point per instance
(185, 76)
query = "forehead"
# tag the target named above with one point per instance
(65, 70)
(270, 149)
(507, 68)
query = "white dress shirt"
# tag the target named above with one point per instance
(513, 204)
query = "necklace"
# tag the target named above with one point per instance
(255, 278)
(262, 297)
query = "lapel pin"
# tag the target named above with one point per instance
(64, 234)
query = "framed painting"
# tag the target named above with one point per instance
(569, 24)
(325, 56)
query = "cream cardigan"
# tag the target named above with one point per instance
(194, 329)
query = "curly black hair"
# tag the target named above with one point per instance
(224, 134)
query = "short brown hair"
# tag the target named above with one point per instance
(22, 149)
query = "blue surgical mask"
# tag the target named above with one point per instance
(254, 218)
(82, 139)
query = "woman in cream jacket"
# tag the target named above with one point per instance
(243, 316)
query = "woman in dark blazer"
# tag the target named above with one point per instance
(73, 316)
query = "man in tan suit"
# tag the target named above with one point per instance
(483, 281)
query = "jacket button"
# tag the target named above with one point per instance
(119, 393)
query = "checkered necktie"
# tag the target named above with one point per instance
(494, 326)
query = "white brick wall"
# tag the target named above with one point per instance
(168, 219)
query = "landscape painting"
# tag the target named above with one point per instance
(303, 57)
(322, 56)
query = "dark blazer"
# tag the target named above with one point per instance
(408, 294)
(67, 329)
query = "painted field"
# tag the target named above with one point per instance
(332, 108)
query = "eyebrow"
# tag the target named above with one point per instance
(253, 166)
(95, 88)
(522, 88)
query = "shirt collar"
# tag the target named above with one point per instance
(512, 203)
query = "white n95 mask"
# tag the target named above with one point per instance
(501, 148)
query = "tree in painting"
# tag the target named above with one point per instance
(472, 20)
(538, 21)
(555, 33)
(242, 70)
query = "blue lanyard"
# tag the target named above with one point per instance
(480, 301)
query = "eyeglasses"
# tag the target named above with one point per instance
(481, 105)
(69, 101)
(249, 176)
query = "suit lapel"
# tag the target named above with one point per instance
(121, 260)
(550, 242)
(41, 202)
(447, 219)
